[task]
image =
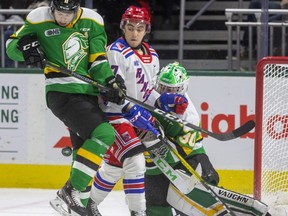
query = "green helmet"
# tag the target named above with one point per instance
(172, 78)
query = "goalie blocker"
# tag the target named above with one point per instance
(199, 201)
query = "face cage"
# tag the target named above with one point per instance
(161, 88)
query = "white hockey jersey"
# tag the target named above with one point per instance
(138, 71)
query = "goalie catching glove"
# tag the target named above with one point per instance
(117, 91)
(30, 47)
(170, 102)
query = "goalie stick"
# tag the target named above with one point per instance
(243, 129)
(174, 177)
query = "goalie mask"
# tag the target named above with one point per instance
(137, 15)
(65, 5)
(172, 78)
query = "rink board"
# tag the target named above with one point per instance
(53, 177)
(31, 138)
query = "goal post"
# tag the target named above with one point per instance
(271, 131)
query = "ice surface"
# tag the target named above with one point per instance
(35, 202)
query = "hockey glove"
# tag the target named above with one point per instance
(30, 47)
(141, 119)
(173, 103)
(117, 91)
(209, 174)
(157, 148)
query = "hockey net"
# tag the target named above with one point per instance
(271, 134)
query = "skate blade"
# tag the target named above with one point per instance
(59, 206)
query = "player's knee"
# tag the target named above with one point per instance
(135, 164)
(110, 173)
(103, 134)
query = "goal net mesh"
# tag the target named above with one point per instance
(271, 140)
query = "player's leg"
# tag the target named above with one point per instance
(83, 116)
(124, 158)
(104, 181)
(133, 183)
(58, 204)
(200, 202)
(156, 187)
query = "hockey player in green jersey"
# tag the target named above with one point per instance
(73, 37)
(173, 78)
(162, 197)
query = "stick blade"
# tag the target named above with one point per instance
(243, 129)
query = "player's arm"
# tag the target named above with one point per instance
(117, 62)
(190, 143)
(14, 50)
(99, 67)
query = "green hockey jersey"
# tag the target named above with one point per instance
(184, 139)
(75, 47)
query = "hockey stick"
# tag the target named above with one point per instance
(243, 129)
(198, 177)
(182, 185)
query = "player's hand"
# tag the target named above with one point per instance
(30, 47)
(117, 91)
(141, 119)
(170, 102)
(157, 148)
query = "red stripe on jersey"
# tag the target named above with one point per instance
(126, 51)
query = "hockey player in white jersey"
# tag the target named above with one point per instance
(138, 63)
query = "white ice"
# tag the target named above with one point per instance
(35, 202)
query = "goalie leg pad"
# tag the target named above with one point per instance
(241, 204)
(200, 202)
(196, 203)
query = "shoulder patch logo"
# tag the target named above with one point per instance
(52, 32)
(120, 46)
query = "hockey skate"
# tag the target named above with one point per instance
(68, 202)
(61, 207)
(92, 209)
(139, 213)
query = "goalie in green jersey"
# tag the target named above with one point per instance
(162, 197)
(173, 78)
